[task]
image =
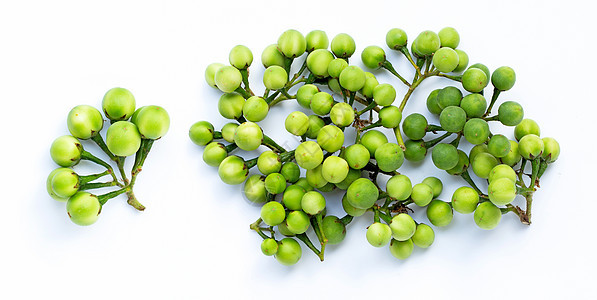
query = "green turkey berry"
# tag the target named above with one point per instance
(290, 171)
(248, 136)
(316, 39)
(510, 113)
(330, 138)
(452, 119)
(83, 208)
(424, 236)
(123, 138)
(502, 171)
(474, 105)
(525, 127)
(498, 145)
(343, 45)
(318, 62)
(414, 50)
(415, 150)
(228, 131)
(315, 177)
(370, 84)
(305, 93)
(352, 78)
(49, 186)
(483, 68)
(414, 126)
(531, 146)
(152, 122)
(503, 78)
(231, 105)
(439, 213)
(269, 247)
(351, 210)
(292, 43)
(315, 125)
(297, 123)
(254, 189)
(373, 57)
(297, 222)
(308, 155)
(551, 149)
(427, 42)
(396, 38)
(201, 133)
(333, 229)
(64, 183)
(275, 78)
(118, 104)
(283, 229)
(357, 156)
(465, 200)
(449, 96)
(389, 157)
(384, 94)
(483, 163)
(271, 56)
(513, 156)
(289, 252)
(390, 116)
(232, 170)
(449, 37)
(210, 73)
(474, 80)
(462, 60)
(66, 151)
(401, 250)
(378, 234)
(436, 184)
(335, 169)
(362, 193)
(433, 103)
(476, 131)
(501, 191)
(444, 156)
(403, 227)
(481, 148)
(214, 153)
(313, 203)
(487, 216)
(321, 103)
(445, 59)
(342, 114)
(275, 183)
(421, 194)
(372, 139)
(292, 197)
(228, 79)
(240, 57)
(268, 162)
(399, 187)
(84, 121)
(255, 109)
(336, 67)
(461, 166)
(272, 213)
(353, 174)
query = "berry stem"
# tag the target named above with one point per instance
(436, 140)
(372, 125)
(346, 219)
(100, 142)
(132, 200)
(88, 178)
(105, 197)
(388, 66)
(369, 107)
(494, 96)
(96, 185)
(140, 159)
(305, 239)
(467, 177)
(453, 77)
(268, 142)
(406, 53)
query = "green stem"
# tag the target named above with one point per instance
(305, 239)
(120, 164)
(542, 168)
(434, 128)
(406, 53)
(388, 66)
(88, 178)
(535, 164)
(467, 177)
(351, 99)
(140, 159)
(245, 75)
(436, 140)
(346, 219)
(372, 125)
(268, 142)
(251, 163)
(367, 108)
(100, 142)
(105, 197)
(96, 185)
(453, 77)
(286, 156)
(243, 92)
(496, 94)
(132, 200)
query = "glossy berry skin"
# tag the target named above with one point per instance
(435, 184)
(401, 250)
(297, 222)
(343, 45)
(465, 200)
(210, 73)
(390, 116)
(271, 56)
(352, 78)
(424, 236)
(84, 121)
(483, 163)
(322, 103)
(503, 78)
(272, 213)
(66, 151)
(396, 38)
(449, 37)
(399, 187)
(445, 59)
(268, 162)
(254, 189)
(487, 216)
(449, 96)
(531, 146)
(510, 113)
(462, 60)
(313, 203)
(336, 67)
(297, 123)
(248, 136)
(292, 197)
(501, 191)
(275, 77)
(474, 80)
(389, 157)
(476, 131)
(362, 193)
(330, 138)
(403, 227)
(232, 170)
(551, 149)
(357, 156)
(427, 42)
(384, 94)
(290, 171)
(231, 105)
(292, 43)
(439, 213)
(49, 186)
(64, 183)
(422, 194)
(414, 126)
(289, 252)
(474, 105)
(318, 62)
(373, 57)
(240, 57)
(228, 79)
(201, 133)
(513, 156)
(335, 169)
(123, 138)
(308, 155)
(152, 122)
(305, 93)
(342, 114)
(461, 166)
(269, 247)
(378, 234)
(83, 208)
(526, 126)
(498, 145)
(255, 109)
(118, 104)
(444, 156)
(333, 229)
(316, 39)
(452, 119)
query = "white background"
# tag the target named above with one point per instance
(193, 241)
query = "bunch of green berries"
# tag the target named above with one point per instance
(291, 184)
(131, 132)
